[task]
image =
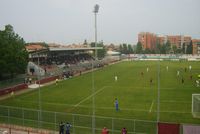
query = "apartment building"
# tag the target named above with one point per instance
(196, 46)
(148, 40)
(179, 40)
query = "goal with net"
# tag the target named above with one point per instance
(196, 105)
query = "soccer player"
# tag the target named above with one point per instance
(68, 126)
(104, 131)
(178, 73)
(142, 73)
(182, 80)
(167, 68)
(124, 131)
(12, 94)
(190, 77)
(147, 69)
(80, 73)
(197, 82)
(56, 81)
(151, 81)
(30, 80)
(116, 104)
(190, 67)
(115, 78)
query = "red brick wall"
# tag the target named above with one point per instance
(25, 86)
(14, 88)
(166, 128)
(49, 79)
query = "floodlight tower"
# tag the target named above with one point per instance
(158, 90)
(39, 94)
(96, 9)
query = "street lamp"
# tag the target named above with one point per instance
(96, 9)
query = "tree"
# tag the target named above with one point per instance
(147, 51)
(158, 48)
(130, 49)
(125, 48)
(100, 52)
(120, 49)
(163, 49)
(139, 48)
(168, 46)
(189, 48)
(153, 51)
(179, 50)
(174, 48)
(184, 48)
(13, 55)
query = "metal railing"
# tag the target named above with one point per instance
(80, 123)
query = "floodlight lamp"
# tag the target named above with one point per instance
(96, 8)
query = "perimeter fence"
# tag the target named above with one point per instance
(80, 123)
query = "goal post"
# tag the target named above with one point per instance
(196, 105)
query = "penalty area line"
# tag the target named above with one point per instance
(151, 106)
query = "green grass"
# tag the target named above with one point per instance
(137, 98)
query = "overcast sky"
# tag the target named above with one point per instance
(119, 21)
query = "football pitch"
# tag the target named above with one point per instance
(72, 99)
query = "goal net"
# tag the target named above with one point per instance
(196, 105)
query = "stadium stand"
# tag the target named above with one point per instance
(48, 64)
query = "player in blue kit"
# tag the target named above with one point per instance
(116, 104)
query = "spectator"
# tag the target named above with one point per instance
(5, 132)
(64, 77)
(104, 131)
(24, 80)
(124, 131)
(45, 70)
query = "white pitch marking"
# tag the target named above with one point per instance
(89, 96)
(151, 106)
(111, 108)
